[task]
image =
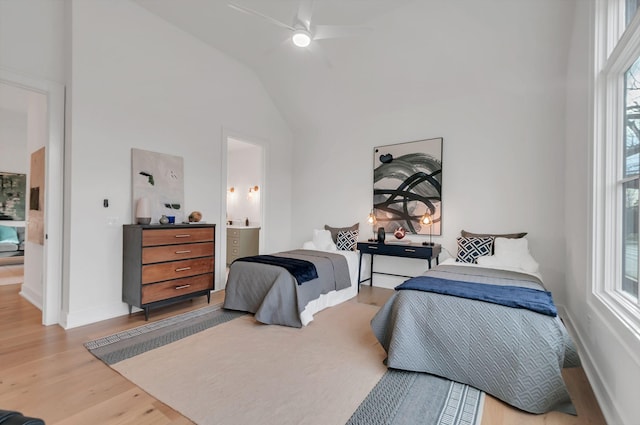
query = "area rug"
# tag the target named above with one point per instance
(221, 367)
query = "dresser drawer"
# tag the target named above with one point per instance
(176, 269)
(175, 288)
(153, 237)
(158, 254)
(233, 233)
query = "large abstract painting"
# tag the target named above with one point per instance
(159, 178)
(407, 184)
(12, 196)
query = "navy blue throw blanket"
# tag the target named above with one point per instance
(302, 270)
(510, 296)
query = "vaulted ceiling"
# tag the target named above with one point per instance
(410, 44)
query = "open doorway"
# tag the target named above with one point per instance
(14, 167)
(40, 106)
(244, 198)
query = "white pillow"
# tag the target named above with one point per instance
(323, 241)
(510, 253)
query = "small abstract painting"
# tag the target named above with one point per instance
(159, 178)
(407, 184)
(35, 224)
(13, 189)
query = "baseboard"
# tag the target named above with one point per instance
(88, 316)
(32, 296)
(599, 387)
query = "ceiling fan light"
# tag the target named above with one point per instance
(301, 38)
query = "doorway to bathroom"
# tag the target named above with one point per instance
(245, 194)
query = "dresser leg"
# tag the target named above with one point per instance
(209, 297)
(130, 309)
(146, 314)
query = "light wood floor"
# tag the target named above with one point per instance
(11, 274)
(46, 372)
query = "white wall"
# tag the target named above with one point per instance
(139, 82)
(244, 171)
(608, 349)
(31, 37)
(490, 82)
(13, 141)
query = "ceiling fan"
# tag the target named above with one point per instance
(303, 31)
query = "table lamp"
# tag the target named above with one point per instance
(427, 221)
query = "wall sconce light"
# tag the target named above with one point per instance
(252, 190)
(427, 221)
(232, 189)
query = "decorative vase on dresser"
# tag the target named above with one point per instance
(163, 264)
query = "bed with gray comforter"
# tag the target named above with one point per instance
(514, 354)
(272, 293)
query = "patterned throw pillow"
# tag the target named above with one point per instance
(471, 248)
(347, 240)
(334, 230)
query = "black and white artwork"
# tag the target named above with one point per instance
(159, 178)
(13, 188)
(407, 184)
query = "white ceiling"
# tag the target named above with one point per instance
(410, 44)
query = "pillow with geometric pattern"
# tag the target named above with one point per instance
(347, 240)
(334, 230)
(471, 248)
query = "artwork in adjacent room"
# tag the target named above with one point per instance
(407, 183)
(13, 189)
(35, 224)
(159, 178)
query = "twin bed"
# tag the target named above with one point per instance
(275, 296)
(509, 343)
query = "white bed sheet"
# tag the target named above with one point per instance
(333, 298)
(452, 261)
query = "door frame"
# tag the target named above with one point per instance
(221, 246)
(54, 178)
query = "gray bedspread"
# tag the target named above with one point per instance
(513, 354)
(272, 293)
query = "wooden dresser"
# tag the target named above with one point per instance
(242, 242)
(163, 264)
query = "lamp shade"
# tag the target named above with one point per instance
(143, 211)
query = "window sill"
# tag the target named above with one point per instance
(624, 310)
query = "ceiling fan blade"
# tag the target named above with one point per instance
(261, 15)
(305, 9)
(335, 31)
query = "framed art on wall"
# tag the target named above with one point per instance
(35, 224)
(159, 178)
(13, 188)
(407, 184)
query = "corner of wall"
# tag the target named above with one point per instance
(594, 375)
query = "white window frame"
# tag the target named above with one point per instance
(615, 50)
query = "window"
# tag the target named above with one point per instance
(629, 182)
(631, 7)
(617, 158)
